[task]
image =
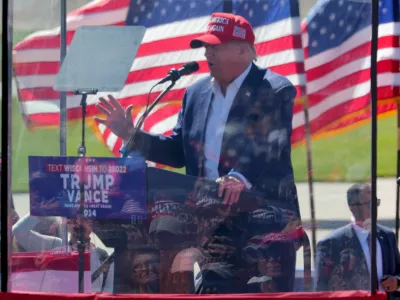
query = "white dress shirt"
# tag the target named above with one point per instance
(363, 238)
(215, 127)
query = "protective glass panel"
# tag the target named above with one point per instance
(213, 193)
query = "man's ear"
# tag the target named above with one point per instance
(352, 209)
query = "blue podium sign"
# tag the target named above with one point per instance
(114, 188)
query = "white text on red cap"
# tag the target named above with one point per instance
(219, 20)
(218, 28)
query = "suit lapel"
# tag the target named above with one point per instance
(202, 113)
(358, 249)
(356, 245)
(381, 236)
(236, 118)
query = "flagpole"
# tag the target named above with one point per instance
(63, 104)
(374, 100)
(63, 96)
(398, 174)
(310, 174)
(6, 125)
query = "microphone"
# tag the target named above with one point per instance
(174, 75)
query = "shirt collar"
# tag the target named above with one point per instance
(236, 83)
(361, 233)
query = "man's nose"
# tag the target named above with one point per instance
(208, 51)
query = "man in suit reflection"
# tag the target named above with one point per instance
(343, 258)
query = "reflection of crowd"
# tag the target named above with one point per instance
(192, 250)
(179, 250)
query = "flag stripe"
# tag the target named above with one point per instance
(353, 42)
(328, 116)
(360, 76)
(361, 51)
(346, 95)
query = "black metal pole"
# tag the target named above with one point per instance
(63, 103)
(396, 15)
(81, 241)
(63, 95)
(398, 179)
(6, 119)
(82, 153)
(374, 100)
(310, 176)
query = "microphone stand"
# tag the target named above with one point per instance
(131, 142)
(82, 153)
(397, 205)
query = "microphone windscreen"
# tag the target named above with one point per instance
(191, 67)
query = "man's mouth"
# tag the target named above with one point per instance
(210, 65)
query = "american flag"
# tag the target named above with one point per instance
(337, 46)
(171, 25)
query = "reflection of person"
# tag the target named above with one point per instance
(235, 125)
(273, 259)
(343, 258)
(12, 219)
(33, 241)
(182, 271)
(145, 270)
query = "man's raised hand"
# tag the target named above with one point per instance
(117, 119)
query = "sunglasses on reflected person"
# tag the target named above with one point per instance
(261, 253)
(378, 202)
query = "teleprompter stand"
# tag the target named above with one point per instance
(98, 60)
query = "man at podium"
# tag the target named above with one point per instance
(235, 125)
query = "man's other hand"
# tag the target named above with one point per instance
(232, 188)
(117, 119)
(389, 283)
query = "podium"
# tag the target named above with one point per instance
(185, 212)
(179, 194)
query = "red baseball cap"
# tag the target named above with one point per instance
(223, 28)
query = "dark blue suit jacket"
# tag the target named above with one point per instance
(256, 141)
(341, 263)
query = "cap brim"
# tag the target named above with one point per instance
(208, 39)
(126, 215)
(166, 223)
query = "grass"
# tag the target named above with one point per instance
(344, 157)
(347, 157)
